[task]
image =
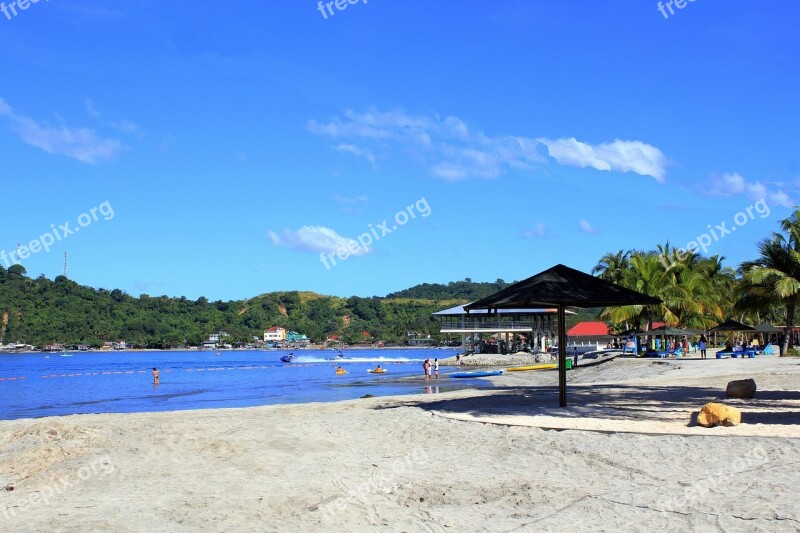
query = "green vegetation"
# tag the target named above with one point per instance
(463, 291)
(697, 292)
(700, 292)
(42, 311)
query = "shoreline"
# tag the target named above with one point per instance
(226, 350)
(407, 463)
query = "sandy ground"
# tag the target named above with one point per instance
(429, 462)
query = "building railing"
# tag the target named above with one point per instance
(507, 325)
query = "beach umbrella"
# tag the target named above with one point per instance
(669, 330)
(732, 325)
(562, 287)
(767, 328)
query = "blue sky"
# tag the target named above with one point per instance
(235, 142)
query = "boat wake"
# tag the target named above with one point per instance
(312, 359)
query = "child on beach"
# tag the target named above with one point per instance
(436, 368)
(155, 376)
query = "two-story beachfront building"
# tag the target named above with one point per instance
(502, 328)
(275, 334)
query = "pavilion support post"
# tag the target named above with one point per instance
(562, 357)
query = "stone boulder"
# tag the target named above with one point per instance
(741, 388)
(715, 414)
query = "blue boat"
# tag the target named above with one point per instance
(481, 374)
(287, 358)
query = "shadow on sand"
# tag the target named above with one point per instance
(619, 402)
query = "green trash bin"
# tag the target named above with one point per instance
(569, 363)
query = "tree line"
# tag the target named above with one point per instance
(41, 311)
(700, 292)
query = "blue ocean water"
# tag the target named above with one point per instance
(37, 385)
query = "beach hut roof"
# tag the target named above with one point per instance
(460, 310)
(767, 328)
(732, 325)
(670, 330)
(562, 286)
(588, 329)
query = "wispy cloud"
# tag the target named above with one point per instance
(538, 231)
(733, 183)
(144, 285)
(125, 126)
(452, 151)
(78, 143)
(315, 239)
(91, 109)
(586, 227)
(357, 151)
(352, 205)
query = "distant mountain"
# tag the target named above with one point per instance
(42, 311)
(466, 290)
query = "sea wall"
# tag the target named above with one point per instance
(519, 358)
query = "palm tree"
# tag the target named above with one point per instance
(648, 275)
(612, 266)
(791, 226)
(722, 285)
(775, 274)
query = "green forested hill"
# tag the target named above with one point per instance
(43, 311)
(464, 291)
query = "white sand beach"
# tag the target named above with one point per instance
(459, 461)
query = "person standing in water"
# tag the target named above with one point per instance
(436, 368)
(155, 376)
(427, 367)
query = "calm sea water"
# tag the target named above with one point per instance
(37, 385)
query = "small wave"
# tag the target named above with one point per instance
(311, 359)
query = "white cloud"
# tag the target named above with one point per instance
(78, 143)
(733, 183)
(618, 156)
(586, 227)
(315, 239)
(452, 151)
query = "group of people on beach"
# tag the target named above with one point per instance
(428, 366)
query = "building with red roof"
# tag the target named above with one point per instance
(588, 329)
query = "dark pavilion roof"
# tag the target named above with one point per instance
(562, 285)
